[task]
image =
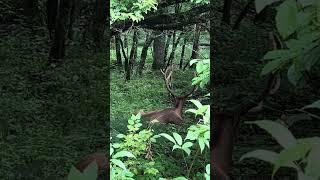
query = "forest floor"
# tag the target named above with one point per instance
(238, 65)
(50, 115)
(148, 92)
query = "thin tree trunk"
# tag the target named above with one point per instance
(182, 52)
(72, 19)
(227, 11)
(100, 22)
(57, 51)
(118, 49)
(144, 52)
(167, 46)
(196, 39)
(133, 49)
(174, 47)
(126, 61)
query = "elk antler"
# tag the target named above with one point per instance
(167, 79)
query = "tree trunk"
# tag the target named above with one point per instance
(118, 49)
(133, 49)
(51, 9)
(100, 22)
(158, 50)
(57, 51)
(174, 47)
(72, 19)
(195, 47)
(182, 52)
(227, 11)
(144, 52)
(126, 61)
(167, 45)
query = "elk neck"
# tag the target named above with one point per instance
(179, 105)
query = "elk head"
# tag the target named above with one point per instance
(169, 115)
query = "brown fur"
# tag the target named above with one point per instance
(101, 160)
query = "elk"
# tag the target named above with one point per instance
(169, 115)
(99, 158)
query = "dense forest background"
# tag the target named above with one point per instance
(53, 89)
(57, 97)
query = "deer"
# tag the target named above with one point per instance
(171, 115)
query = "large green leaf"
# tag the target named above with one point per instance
(290, 154)
(278, 53)
(312, 168)
(123, 154)
(265, 155)
(261, 4)
(178, 138)
(286, 18)
(305, 3)
(170, 138)
(272, 66)
(118, 163)
(90, 173)
(283, 136)
(315, 104)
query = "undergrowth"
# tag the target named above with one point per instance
(50, 115)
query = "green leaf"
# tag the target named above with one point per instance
(261, 4)
(283, 136)
(121, 136)
(315, 104)
(74, 174)
(294, 75)
(180, 178)
(187, 150)
(312, 168)
(170, 138)
(277, 54)
(290, 154)
(91, 172)
(201, 144)
(196, 102)
(187, 145)
(176, 147)
(302, 176)
(123, 154)
(208, 168)
(191, 135)
(194, 111)
(272, 66)
(178, 138)
(118, 163)
(286, 18)
(305, 3)
(265, 155)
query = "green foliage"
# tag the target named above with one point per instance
(203, 71)
(132, 145)
(130, 9)
(298, 23)
(53, 115)
(299, 154)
